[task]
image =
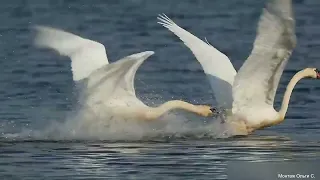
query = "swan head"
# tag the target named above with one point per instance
(214, 110)
(313, 73)
(204, 110)
(318, 73)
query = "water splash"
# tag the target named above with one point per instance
(170, 127)
(82, 124)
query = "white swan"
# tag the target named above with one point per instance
(108, 87)
(250, 92)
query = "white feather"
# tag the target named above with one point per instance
(217, 66)
(115, 81)
(251, 91)
(257, 80)
(86, 55)
(106, 88)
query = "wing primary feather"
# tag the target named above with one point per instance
(257, 80)
(216, 65)
(86, 55)
(116, 80)
(207, 41)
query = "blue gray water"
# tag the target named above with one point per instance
(37, 92)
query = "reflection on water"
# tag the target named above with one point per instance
(188, 159)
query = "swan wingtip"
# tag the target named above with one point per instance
(149, 53)
(41, 28)
(144, 54)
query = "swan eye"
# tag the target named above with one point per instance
(316, 70)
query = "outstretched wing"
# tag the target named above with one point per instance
(115, 80)
(258, 78)
(217, 66)
(86, 55)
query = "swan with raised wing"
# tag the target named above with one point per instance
(249, 94)
(107, 87)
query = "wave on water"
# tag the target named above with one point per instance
(83, 125)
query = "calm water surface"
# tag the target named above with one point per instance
(38, 97)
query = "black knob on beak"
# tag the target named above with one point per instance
(214, 110)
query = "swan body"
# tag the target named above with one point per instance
(108, 89)
(250, 121)
(254, 86)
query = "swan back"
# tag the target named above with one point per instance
(115, 82)
(216, 65)
(86, 55)
(257, 80)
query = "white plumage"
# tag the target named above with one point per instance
(250, 93)
(217, 66)
(108, 88)
(86, 55)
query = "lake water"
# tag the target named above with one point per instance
(37, 92)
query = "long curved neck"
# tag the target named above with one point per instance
(286, 98)
(156, 112)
